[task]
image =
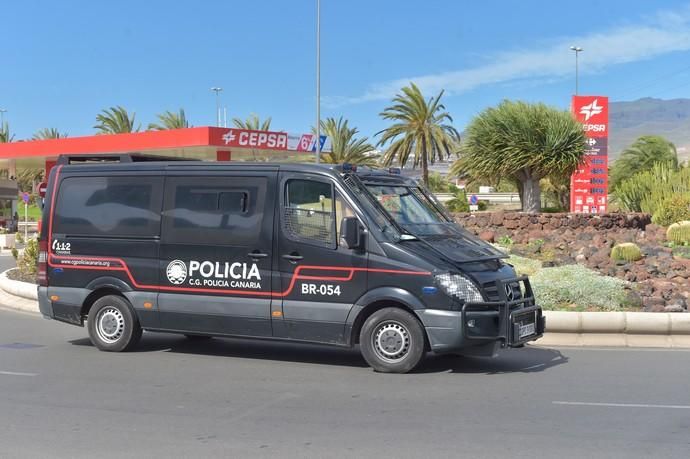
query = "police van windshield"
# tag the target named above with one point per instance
(406, 204)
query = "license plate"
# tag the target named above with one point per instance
(526, 330)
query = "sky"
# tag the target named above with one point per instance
(61, 63)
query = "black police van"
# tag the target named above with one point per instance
(307, 253)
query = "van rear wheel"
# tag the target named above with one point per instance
(392, 341)
(113, 326)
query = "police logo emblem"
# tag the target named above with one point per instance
(176, 272)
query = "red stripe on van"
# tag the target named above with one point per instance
(296, 275)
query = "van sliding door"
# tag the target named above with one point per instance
(216, 253)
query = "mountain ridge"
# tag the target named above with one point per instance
(669, 118)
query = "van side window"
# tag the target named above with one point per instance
(214, 210)
(309, 212)
(109, 206)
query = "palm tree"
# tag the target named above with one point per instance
(420, 130)
(170, 120)
(641, 156)
(49, 133)
(253, 123)
(5, 136)
(28, 178)
(346, 147)
(115, 120)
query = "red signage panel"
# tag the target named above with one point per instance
(589, 183)
(593, 113)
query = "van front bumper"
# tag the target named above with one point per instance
(511, 323)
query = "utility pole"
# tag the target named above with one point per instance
(318, 81)
(217, 90)
(577, 50)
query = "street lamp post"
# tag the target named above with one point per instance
(577, 50)
(217, 90)
(318, 81)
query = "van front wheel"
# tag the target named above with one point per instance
(392, 341)
(112, 324)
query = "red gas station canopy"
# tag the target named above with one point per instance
(225, 139)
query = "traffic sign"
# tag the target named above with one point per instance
(474, 200)
(25, 197)
(42, 187)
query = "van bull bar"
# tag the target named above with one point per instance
(512, 321)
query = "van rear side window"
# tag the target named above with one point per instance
(109, 206)
(213, 210)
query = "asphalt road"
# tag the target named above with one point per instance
(6, 262)
(60, 397)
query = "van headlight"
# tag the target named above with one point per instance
(460, 287)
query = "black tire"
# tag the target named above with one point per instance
(198, 337)
(392, 341)
(113, 326)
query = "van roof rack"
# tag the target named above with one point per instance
(116, 158)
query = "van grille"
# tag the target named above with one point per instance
(491, 291)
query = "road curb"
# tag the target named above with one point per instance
(24, 290)
(617, 329)
(625, 323)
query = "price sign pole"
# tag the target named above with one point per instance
(25, 197)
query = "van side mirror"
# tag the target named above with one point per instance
(351, 233)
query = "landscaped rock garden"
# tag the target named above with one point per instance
(657, 277)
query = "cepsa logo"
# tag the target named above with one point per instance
(214, 274)
(593, 113)
(256, 139)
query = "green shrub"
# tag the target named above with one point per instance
(672, 209)
(682, 252)
(626, 251)
(19, 238)
(15, 253)
(505, 241)
(648, 191)
(28, 262)
(459, 203)
(438, 183)
(576, 285)
(553, 210)
(524, 266)
(482, 205)
(679, 233)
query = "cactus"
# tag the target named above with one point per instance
(679, 233)
(626, 251)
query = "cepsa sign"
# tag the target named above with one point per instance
(254, 139)
(589, 182)
(593, 113)
(267, 140)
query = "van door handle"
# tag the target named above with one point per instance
(292, 258)
(256, 255)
